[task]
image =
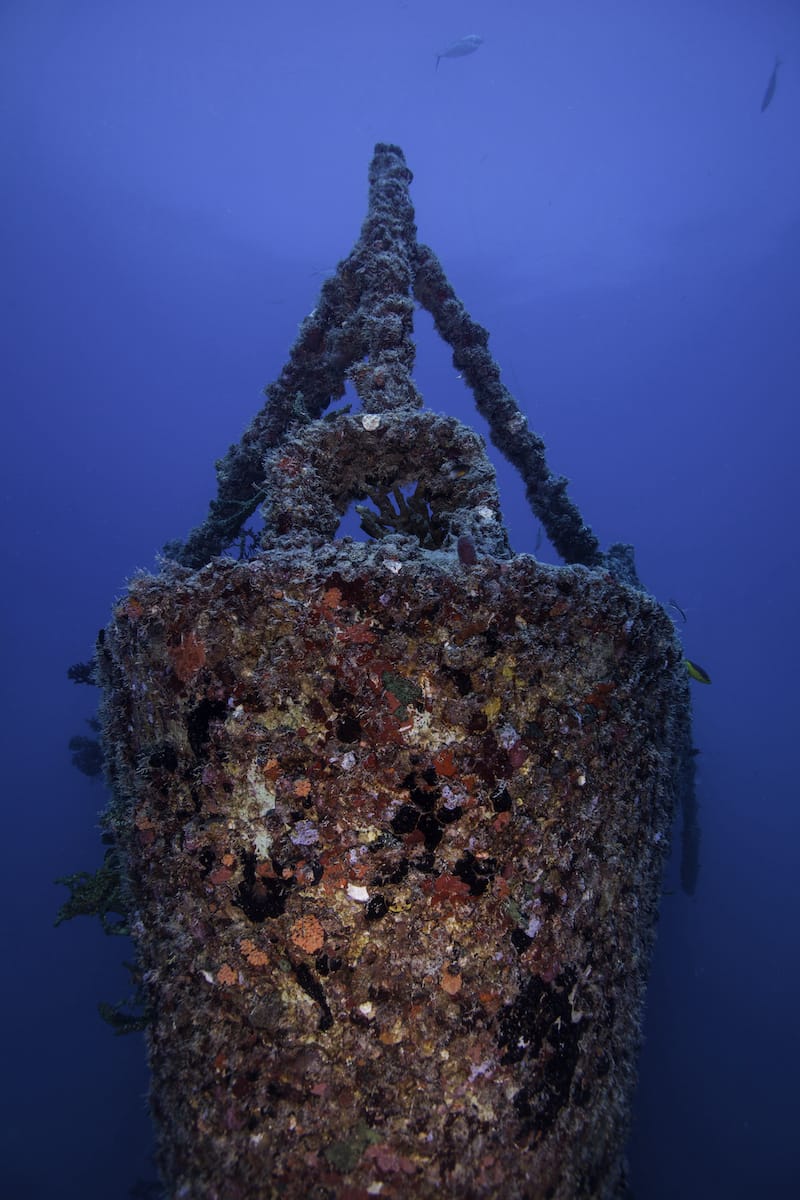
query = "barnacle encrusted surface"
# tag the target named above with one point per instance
(394, 909)
(312, 478)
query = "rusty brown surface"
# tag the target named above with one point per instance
(393, 823)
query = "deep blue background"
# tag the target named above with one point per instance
(609, 200)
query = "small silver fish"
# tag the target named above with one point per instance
(465, 45)
(674, 604)
(773, 83)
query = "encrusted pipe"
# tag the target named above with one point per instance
(362, 330)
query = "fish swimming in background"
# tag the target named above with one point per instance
(465, 45)
(674, 604)
(773, 82)
(697, 672)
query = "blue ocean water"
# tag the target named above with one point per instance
(609, 199)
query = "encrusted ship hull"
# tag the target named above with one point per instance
(389, 818)
(393, 822)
